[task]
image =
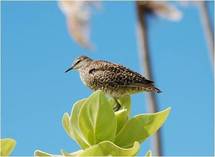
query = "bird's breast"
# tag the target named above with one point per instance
(87, 79)
(83, 79)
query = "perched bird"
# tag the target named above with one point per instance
(113, 79)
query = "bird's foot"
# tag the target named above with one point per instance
(117, 106)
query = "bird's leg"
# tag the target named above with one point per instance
(117, 106)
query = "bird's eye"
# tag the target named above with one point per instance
(78, 61)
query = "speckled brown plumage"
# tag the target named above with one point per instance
(114, 79)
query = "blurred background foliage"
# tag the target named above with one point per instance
(7, 145)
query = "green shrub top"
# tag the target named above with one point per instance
(101, 132)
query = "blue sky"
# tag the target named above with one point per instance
(36, 50)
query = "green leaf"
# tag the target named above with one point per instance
(97, 121)
(74, 119)
(64, 153)
(140, 128)
(122, 118)
(148, 154)
(41, 153)
(67, 125)
(107, 148)
(7, 145)
(123, 114)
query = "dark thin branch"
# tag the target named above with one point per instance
(146, 63)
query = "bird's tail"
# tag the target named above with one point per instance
(153, 89)
(157, 90)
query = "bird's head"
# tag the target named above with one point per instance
(79, 63)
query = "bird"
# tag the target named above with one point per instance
(113, 79)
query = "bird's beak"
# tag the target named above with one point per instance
(69, 69)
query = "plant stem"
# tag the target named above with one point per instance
(146, 63)
(207, 28)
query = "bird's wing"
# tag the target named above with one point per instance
(111, 73)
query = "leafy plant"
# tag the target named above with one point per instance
(101, 132)
(148, 154)
(7, 145)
